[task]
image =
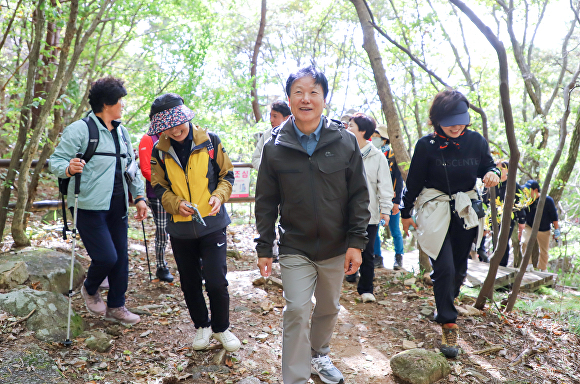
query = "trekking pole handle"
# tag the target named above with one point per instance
(78, 176)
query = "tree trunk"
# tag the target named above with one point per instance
(568, 166)
(535, 254)
(254, 64)
(18, 228)
(47, 150)
(62, 78)
(540, 208)
(516, 248)
(39, 21)
(424, 262)
(383, 88)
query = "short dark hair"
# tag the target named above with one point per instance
(282, 107)
(443, 103)
(106, 91)
(163, 100)
(311, 70)
(365, 124)
(532, 184)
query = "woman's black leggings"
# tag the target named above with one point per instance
(450, 268)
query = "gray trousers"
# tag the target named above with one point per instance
(303, 278)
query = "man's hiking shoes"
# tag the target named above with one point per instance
(323, 367)
(449, 334)
(378, 262)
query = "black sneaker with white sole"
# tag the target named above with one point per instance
(164, 275)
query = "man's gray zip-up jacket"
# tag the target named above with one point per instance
(322, 199)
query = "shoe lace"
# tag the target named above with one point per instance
(121, 312)
(227, 336)
(199, 335)
(95, 299)
(450, 336)
(324, 362)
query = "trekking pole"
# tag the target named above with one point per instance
(146, 250)
(68, 341)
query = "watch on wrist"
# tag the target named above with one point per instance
(139, 199)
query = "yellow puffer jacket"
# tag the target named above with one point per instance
(208, 172)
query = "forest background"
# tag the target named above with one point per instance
(229, 59)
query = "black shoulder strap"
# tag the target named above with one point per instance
(124, 137)
(215, 144)
(91, 148)
(93, 138)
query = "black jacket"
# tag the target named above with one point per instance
(466, 157)
(322, 199)
(549, 215)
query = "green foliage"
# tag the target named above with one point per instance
(556, 305)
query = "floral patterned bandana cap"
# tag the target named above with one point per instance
(169, 118)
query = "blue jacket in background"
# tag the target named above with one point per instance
(98, 175)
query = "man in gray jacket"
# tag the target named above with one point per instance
(312, 174)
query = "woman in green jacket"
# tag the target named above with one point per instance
(103, 198)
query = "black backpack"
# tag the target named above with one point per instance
(64, 182)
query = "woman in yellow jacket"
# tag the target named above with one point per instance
(192, 176)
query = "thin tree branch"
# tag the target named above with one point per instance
(417, 61)
(9, 26)
(531, 48)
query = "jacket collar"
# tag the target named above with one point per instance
(200, 139)
(100, 122)
(331, 131)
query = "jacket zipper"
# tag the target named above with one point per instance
(186, 182)
(189, 191)
(315, 205)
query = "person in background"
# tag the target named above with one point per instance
(381, 140)
(549, 218)
(104, 197)
(159, 214)
(441, 186)
(192, 176)
(279, 112)
(345, 119)
(519, 215)
(381, 193)
(312, 176)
